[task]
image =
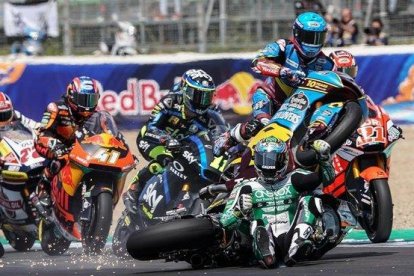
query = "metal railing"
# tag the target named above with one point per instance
(207, 25)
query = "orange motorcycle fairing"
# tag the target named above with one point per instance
(70, 176)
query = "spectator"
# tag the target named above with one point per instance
(374, 34)
(309, 5)
(164, 10)
(332, 36)
(348, 28)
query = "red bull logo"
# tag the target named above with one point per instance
(236, 93)
(10, 72)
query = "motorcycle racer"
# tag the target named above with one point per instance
(9, 116)
(285, 63)
(187, 109)
(281, 212)
(60, 121)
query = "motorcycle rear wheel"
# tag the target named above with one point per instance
(20, 242)
(95, 233)
(379, 229)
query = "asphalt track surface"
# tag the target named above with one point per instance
(386, 259)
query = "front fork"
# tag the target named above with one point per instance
(86, 211)
(364, 171)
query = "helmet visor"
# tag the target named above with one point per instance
(199, 98)
(351, 71)
(310, 38)
(6, 116)
(86, 100)
(270, 163)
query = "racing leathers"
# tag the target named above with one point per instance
(55, 137)
(285, 69)
(160, 136)
(282, 214)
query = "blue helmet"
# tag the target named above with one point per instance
(271, 158)
(309, 33)
(198, 90)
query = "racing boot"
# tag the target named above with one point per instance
(300, 247)
(263, 248)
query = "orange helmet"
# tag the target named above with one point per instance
(344, 62)
(6, 109)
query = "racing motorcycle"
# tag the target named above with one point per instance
(362, 170)
(201, 241)
(327, 102)
(87, 188)
(20, 174)
(174, 192)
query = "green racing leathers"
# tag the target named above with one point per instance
(283, 214)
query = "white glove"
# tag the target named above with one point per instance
(245, 203)
(323, 149)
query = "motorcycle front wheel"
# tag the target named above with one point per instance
(95, 232)
(175, 235)
(121, 234)
(20, 242)
(51, 244)
(379, 227)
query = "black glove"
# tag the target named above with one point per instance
(59, 150)
(251, 128)
(173, 145)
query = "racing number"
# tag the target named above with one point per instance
(26, 152)
(370, 134)
(106, 156)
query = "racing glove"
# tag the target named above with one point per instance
(250, 129)
(223, 143)
(294, 77)
(58, 148)
(245, 204)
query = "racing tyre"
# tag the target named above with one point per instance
(95, 233)
(121, 234)
(379, 228)
(50, 243)
(348, 123)
(20, 242)
(180, 234)
(1, 250)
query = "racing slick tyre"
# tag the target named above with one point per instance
(50, 243)
(95, 232)
(348, 123)
(19, 241)
(179, 234)
(379, 227)
(123, 230)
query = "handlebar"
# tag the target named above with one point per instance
(212, 190)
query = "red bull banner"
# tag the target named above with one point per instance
(130, 91)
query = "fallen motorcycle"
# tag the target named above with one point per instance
(174, 192)
(86, 190)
